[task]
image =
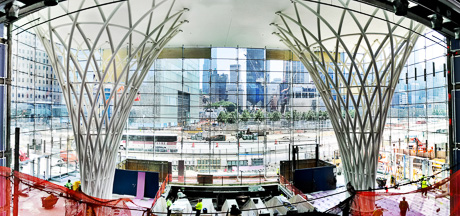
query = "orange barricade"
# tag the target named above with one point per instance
(5, 191)
(160, 191)
(40, 197)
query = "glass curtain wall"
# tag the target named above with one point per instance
(417, 123)
(235, 109)
(39, 110)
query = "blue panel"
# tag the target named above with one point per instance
(151, 184)
(455, 44)
(456, 161)
(456, 102)
(125, 182)
(315, 179)
(456, 65)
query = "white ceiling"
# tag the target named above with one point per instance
(230, 23)
(219, 23)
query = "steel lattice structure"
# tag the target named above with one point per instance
(100, 58)
(355, 62)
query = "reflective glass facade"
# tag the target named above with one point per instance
(419, 106)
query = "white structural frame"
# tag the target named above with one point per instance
(363, 78)
(86, 85)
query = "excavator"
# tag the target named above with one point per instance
(421, 146)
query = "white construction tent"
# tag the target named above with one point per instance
(181, 206)
(301, 204)
(227, 206)
(160, 206)
(207, 204)
(282, 205)
(257, 208)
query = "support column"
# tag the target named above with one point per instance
(118, 50)
(9, 63)
(411, 168)
(354, 68)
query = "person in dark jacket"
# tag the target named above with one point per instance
(234, 211)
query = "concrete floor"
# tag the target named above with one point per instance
(418, 204)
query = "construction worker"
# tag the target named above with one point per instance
(403, 207)
(168, 205)
(198, 207)
(424, 187)
(180, 194)
(278, 174)
(234, 211)
(392, 180)
(68, 185)
(76, 184)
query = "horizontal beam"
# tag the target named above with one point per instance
(424, 8)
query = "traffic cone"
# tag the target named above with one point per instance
(217, 145)
(193, 145)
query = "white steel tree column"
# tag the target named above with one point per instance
(100, 57)
(355, 61)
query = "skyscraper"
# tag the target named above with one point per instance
(235, 87)
(218, 87)
(255, 76)
(206, 72)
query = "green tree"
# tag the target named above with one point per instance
(229, 106)
(304, 116)
(231, 117)
(259, 116)
(275, 116)
(222, 117)
(297, 115)
(310, 115)
(352, 113)
(288, 116)
(326, 115)
(245, 116)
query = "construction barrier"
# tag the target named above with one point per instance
(40, 197)
(291, 187)
(5, 191)
(161, 190)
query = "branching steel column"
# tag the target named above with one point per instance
(355, 71)
(100, 66)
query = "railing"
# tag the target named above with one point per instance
(430, 154)
(161, 190)
(288, 185)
